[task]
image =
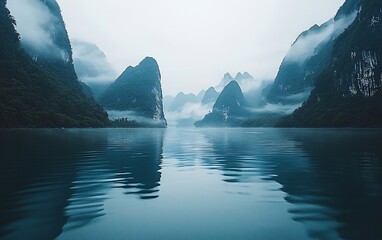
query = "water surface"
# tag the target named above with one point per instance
(190, 184)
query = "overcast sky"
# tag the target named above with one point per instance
(195, 41)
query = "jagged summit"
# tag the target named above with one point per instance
(243, 79)
(228, 76)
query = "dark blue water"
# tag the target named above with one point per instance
(190, 184)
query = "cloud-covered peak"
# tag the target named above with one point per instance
(306, 43)
(91, 63)
(41, 28)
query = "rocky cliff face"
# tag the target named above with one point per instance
(348, 92)
(363, 80)
(308, 56)
(138, 90)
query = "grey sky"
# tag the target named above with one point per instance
(195, 41)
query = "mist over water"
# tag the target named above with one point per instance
(191, 184)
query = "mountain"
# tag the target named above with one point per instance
(230, 108)
(227, 78)
(348, 91)
(245, 81)
(181, 100)
(308, 56)
(41, 90)
(138, 90)
(210, 96)
(92, 66)
(45, 38)
(167, 102)
(200, 95)
(184, 109)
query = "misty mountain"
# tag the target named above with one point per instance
(92, 66)
(308, 56)
(230, 109)
(227, 78)
(347, 93)
(181, 100)
(245, 81)
(37, 88)
(185, 109)
(138, 92)
(210, 96)
(167, 102)
(44, 37)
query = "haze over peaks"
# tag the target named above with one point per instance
(196, 41)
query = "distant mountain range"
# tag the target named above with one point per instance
(330, 77)
(332, 71)
(182, 99)
(245, 80)
(185, 109)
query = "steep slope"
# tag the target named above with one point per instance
(348, 92)
(32, 95)
(138, 90)
(45, 38)
(230, 109)
(308, 56)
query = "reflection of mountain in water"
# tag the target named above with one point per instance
(343, 181)
(55, 178)
(36, 172)
(137, 156)
(331, 178)
(241, 156)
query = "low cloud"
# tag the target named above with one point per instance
(276, 108)
(131, 116)
(36, 25)
(248, 86)
(305, 46)
(91, 63)
(187, 115)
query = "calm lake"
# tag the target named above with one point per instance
(201, 184)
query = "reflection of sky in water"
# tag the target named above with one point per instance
(190, 184)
